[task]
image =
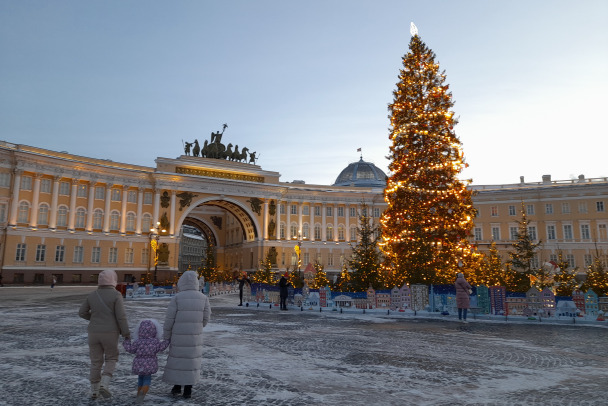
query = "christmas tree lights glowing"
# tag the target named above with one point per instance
(430, 210)
(366, 257)
(523, 257)
(320, 280)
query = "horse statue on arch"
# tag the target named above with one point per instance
(235, 154)
(244, 154)
(228, 153)
(196, 149)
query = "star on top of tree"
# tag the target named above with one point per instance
(413, 29)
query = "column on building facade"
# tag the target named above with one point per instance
(156, 209)
(140, 204)
(172, 220)
(108, 202)
(288, 225)
(35, 200)
(300, 222)
(15, 201)
(90, 206)
(336, 222)
(265, 221)
(54, 200)
(347, 222)
(311, 228)
(277, 220)
(74, 193)
(323, 222)
(123, 210)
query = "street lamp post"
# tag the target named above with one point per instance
(154, 244)
(299, 256)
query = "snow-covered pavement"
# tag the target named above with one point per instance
(258, 356)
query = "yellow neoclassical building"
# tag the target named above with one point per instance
(69, 217)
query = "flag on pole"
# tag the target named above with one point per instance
(358, 149)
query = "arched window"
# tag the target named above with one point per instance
(341, 233)
(80, 217)
(24, 212)
(146, 223)
(98, 219)
(43, 214)
(330, 233)
(130, 222)
(305, 231)
(62, 216)
(293, 230)
(114, 220)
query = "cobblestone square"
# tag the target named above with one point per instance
(261, 356)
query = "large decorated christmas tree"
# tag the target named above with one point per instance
(430, 210)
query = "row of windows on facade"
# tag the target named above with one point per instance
(551, 232)
(116, 195)
(76, 278)
(329, 210)
(549, 209)
(23, 217)
(78, 254)
(329, 232)
(80, 218)
(570, 260)
(81, 189)
(331, 259)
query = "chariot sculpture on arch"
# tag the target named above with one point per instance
(213, 148)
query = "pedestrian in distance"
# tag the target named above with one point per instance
(54, 282)
(201, 283)
(244, 279)
(188, 313)
(283, 291)
(105, 311)
(145, 345)
(463, 292)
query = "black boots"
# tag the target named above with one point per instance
(177, 389)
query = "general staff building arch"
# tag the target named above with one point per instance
(70, 216)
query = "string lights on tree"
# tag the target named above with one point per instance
(430, 210)
(366, 258)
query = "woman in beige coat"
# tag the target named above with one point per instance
(188, 312)
(105, 311)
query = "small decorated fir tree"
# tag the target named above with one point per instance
(366, 257)
(264, 273)
(523, 257)
(597, 276)
(493, 272)
(320, 280)
(344, 281)
(565, 277)
(208, 268)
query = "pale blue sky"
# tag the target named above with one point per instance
(305, 83)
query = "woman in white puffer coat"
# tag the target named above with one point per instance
(188, 312)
